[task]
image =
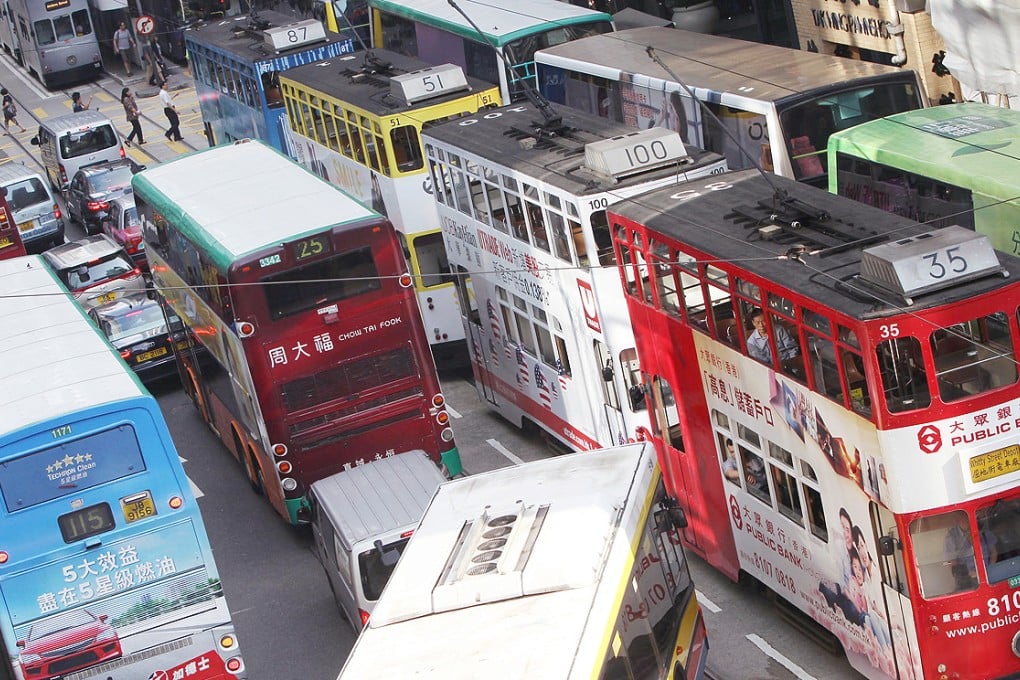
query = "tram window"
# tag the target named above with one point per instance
(824, 367)
(539, 234)
(63, 27)
(785, 484)
(82, 23)
(944, 553)
(642, 275)
(815, 512)
(632, 379)
(603, 239)
(523, 323)
(495, 198)
(748, 289)
(461, 193)
(433, 265)
(665, 416)
(560, 242)
(973, 357)
(754, 474)
(562, 355)
(271, 86)
(406, 148)
(901, 369)
(999, 539)
(44, 33)
(508, 319)
(546, 351)
(665, 284)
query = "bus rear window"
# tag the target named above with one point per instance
(70, 467)
(320, 283)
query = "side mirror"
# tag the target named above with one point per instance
(887, 545)
(670, 516)
(35, 141)
(607, 373)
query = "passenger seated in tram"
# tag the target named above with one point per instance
(758, 341)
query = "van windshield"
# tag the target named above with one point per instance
(86, 141)
(26, 193)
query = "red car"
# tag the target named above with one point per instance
(65, 643)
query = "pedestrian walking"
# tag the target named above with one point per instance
(123, 42)
(76, 103)
(170, 110)
(155, 67)
(132, 113)
(10, 111)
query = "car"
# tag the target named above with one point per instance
(67, 642)
(33, 207)
(135, 326)
(120, 222)
(95, 269)
(92, 187)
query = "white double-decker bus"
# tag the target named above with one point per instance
(522, 193)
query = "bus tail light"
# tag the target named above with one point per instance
(284, 467)
(438, 400)
(288, 484)
(442, 417)
(364, 617)
(227, 641)
(245, 329)
(125, 354)
(279, 450)
(4, 557)
(446, 435)
(234, 664)
(405, 280)
(176, 503)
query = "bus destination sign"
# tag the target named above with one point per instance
(995, 463)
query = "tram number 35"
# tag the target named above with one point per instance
(945, 262)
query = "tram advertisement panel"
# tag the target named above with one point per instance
(826, 567)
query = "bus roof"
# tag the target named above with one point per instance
(236, 199)
(55, 360)
(363, 80)
(712, 63)
(230, 35)
(526, 617)
(968, 145)
(558, 155)
(723, 223)
(500, 21)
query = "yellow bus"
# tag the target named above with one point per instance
(356, 121)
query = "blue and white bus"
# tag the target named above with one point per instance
(236, 63)
(105, 568)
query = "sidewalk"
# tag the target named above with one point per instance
(179, 76)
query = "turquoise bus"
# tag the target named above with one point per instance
(105, 569)
(954, 164)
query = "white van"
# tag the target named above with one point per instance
(362, 518)
(70, 142)
(33, 207)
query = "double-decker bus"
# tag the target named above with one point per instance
(302, 298)
(834, 390)
(503, 53)
(236, 63)
(779, 105)
(953, 164)
(569, 567)
(522, 196)
(105, 567)
(54, 40)
(356, 121)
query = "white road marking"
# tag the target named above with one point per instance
(453, 412)
(770, 651)
(506, 452)
(707, 603)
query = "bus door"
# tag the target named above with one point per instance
(478, 340)
(895, 593)
(612, 410)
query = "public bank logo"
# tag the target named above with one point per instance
(929, 439)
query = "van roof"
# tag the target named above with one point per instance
(71, 121)
(12, 172)
(380, 496)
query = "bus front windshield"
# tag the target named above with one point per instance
(808, 124)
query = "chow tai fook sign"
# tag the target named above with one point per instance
(864, 23)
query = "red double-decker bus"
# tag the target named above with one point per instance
(302, 298)
(835, 402)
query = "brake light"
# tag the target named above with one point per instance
(125, 354)
(56, 211)
(122, 154)
(364, 617)
(96, 206)
(63, 174)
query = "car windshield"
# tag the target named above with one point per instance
(61, 622)
(115, 179)
(26, 193)
(97, 271)
(144, 320)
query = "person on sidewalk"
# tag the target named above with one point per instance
(123, 43)
(76, 103)
(155, 67)
(10, 111)
(170, 110)
(132, 113)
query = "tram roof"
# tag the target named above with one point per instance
(237, 199)
(228, 36)
(710, 223)
(335, 77)
(717, 63)
(557, 155)
(501, 21)
(55, 360)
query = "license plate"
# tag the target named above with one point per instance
(6, 242)
(182, 345)
(105, 297)
(138, 506)
(27, 226)
(153, 354)
(995, 463)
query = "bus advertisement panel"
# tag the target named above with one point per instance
(105, 568)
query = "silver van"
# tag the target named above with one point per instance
(33, 207)
(362, 518)
(72, 141)
(95, 269)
